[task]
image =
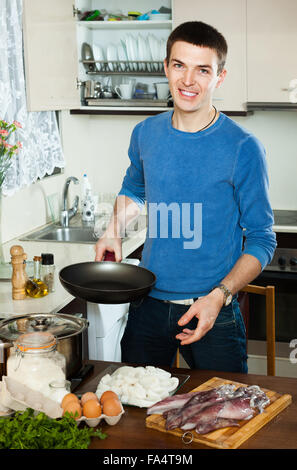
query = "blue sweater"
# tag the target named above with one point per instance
(204, 191)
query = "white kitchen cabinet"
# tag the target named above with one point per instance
(50, 52)
(53, 39)
(229, 17)
(271, 49)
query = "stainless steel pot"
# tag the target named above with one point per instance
(66, 328)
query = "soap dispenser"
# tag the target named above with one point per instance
(88, 206)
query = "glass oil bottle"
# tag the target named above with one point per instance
(35, 287)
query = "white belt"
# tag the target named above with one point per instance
(182, 302)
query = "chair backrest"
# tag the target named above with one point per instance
(269, 293)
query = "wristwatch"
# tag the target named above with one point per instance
(227, 294)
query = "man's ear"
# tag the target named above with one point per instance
(166, 67)
(221, 78)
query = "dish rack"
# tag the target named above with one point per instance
(131, 67)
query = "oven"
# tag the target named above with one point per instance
(281, 273)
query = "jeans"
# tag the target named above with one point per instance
(149, 337)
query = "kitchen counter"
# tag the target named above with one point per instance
(131, 432)
(64, 254)
(285, 221)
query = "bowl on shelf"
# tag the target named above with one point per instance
(159, 16)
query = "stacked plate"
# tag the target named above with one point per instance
(133, 53)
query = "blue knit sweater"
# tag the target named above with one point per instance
(204, 191)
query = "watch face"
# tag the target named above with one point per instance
(228, 300)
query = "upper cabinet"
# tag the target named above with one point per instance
(271, 49)
(57, 53)
(50, 52)
(229, 17)
(261, 60)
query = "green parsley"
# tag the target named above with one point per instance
(27, 431)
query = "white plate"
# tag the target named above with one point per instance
(122, 56)
(153, 42)
(98, 55)
(151, 46)
(128, 48)
(134, 50)
(112, 55)
(141, 51)
(163, 51)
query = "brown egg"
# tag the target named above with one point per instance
(88, 396)
(108, 394)
(92, 409)
(112, 407)
(68, 398)
(74, 409)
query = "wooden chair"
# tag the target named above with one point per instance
(269, 293)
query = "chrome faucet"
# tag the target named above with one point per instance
(67, 214)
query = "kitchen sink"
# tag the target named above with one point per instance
(61, 234)
(78, 233)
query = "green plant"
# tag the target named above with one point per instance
(29, 431)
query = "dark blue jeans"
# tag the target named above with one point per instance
(149, 337)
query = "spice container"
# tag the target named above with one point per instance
(48, 270)
(35, 287)
(35, 362)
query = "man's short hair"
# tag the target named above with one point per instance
(199, 34)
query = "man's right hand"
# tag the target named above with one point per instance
(108, 244)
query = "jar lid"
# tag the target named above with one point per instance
(36, 342)
(59, 325)
(47, 258)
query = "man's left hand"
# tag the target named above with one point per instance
(206, 309)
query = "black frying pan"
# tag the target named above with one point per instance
(107, 282)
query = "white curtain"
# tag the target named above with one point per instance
(40, 138)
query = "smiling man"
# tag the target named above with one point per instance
(205, 177)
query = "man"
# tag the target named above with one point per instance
(211, 175)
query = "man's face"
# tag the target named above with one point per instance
(192, 74)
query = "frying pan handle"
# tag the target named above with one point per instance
(109, 256)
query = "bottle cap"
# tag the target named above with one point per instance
(47, 258)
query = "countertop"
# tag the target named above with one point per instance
(64, 254)
(285, 221)
(131, 433)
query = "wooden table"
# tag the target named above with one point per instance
(131, 432)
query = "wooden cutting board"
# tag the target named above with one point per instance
(230, 437)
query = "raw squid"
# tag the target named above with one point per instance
(178, 401)
(217, 424)
(176, 417)
(236, 408)
(169, 403)
(211, 409)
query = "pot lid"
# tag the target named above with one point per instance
(60, 325)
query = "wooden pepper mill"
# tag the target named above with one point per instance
(19, 277)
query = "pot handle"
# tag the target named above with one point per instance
(109, 256)
(2, 347)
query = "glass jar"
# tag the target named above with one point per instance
(48, 270)
(59, 388)
(36, 363)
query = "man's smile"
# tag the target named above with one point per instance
(187, 94)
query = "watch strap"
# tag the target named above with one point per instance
(227, 293)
